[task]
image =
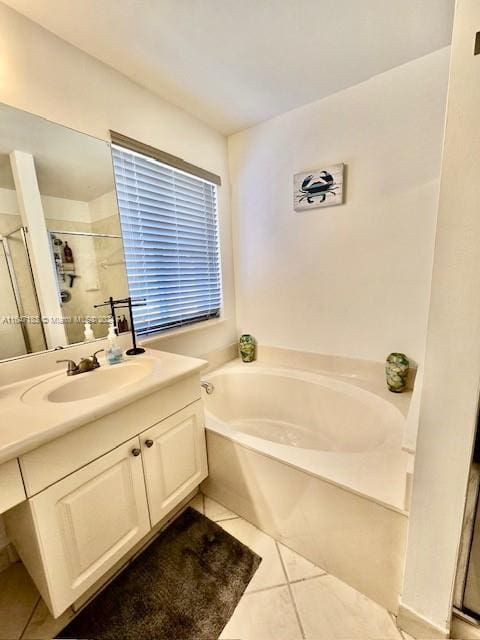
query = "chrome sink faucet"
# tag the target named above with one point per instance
(85, 364)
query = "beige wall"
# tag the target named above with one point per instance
(46, 76)
(449, 405)
(351, 280)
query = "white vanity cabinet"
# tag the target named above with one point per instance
(81, 518)
(174, 459)
(86, 522)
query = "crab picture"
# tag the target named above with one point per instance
(320, 188)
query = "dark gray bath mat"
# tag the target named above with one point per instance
(184, 586)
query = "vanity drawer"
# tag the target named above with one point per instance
(12, 491)
(57, 459)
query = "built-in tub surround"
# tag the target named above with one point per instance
(316, 460)
(316, 423)
(368, 374)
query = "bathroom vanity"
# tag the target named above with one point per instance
(90, 465)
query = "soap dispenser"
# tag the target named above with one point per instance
(88, 332)
(113, 352)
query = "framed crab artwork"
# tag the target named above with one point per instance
(319, 188)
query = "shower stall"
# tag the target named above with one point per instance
(96, 271)
(93, 272)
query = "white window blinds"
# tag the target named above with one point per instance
(170, 233)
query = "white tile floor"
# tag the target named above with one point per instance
(288, 598)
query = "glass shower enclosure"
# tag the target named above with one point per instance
(21, 331)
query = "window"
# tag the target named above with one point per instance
(170, 232)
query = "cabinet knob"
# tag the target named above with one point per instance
(136, 451)
(149, 443)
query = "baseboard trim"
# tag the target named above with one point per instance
(418, 626)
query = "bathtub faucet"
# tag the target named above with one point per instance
(208, 386)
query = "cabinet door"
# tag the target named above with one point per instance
(89, 520)
(174, 458)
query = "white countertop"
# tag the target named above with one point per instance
(25, 426)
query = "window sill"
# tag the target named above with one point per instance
(173, 333)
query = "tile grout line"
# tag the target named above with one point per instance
(233, 517)
(320, 575)
(227, 519)
(283, 584)
(262, 589)
(30, 617)
(294, 604)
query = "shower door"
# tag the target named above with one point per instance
(20, 329)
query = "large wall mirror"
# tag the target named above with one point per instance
(61, 250)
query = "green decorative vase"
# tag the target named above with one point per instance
(247, 347)
(396, 370)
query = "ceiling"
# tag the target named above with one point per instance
(68, 164)
(234, 63)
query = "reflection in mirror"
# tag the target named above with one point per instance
(61, 249)
(18, 298)
(95, 273)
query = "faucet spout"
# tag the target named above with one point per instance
(85, 364)
(208, 386)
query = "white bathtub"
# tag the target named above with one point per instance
(319, 424)
(317, 463)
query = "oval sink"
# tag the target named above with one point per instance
(106, 379)
(95, 383)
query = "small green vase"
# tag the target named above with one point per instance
(247, 347)
(396, 370)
